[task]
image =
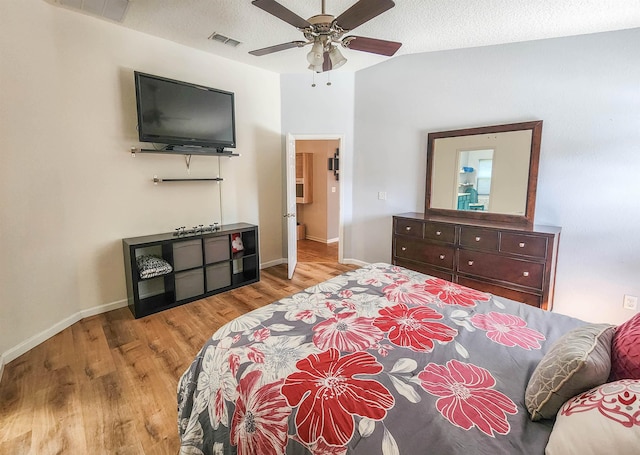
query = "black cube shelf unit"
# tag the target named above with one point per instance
(203, 264)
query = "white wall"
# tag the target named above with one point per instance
(324, 110)
(586, 89)
(69, 189)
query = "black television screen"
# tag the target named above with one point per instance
(183, 114)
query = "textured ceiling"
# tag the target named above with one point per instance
(421, 25)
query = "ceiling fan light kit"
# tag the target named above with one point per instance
(325, 32)
(336, 57)
(316, 54)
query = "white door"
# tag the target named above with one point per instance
(292, 234)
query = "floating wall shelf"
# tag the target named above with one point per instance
(135, 150)
(157, 179)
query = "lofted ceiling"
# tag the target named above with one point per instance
(421, 25)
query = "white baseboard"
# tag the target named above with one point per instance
(38, 338)
(318, 239)
(103, 308)
(264, 265)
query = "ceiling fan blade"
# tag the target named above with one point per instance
(279, 11)
(372, 45)
(277, 48)
(361, 12)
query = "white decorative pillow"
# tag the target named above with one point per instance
(151, 266)
(578, 361)
(604, 420)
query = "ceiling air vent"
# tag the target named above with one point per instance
(224, 39)
(109, 9)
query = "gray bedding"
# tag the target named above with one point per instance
(380, 360)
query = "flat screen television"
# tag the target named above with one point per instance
(184, 116)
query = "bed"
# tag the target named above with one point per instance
(384, 360)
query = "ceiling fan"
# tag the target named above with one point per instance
(325, 32)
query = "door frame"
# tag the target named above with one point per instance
(340, 139)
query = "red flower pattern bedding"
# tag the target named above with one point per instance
(380, 360)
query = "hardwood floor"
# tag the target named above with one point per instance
(107, 384)
(310, 251)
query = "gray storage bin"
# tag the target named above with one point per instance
(189, 284)
(187, 254)
(216, 249)
(218, 276)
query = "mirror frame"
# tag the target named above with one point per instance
(536, 136)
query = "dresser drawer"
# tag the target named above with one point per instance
(519, 296)
(516, 271)
(412, 228)
(428, 253)
(479, 238)
(424, 268)
(441, 232)
(526, 245)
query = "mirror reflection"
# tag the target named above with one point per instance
(474, 180)
(482, 172)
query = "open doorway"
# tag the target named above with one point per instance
(318, 198)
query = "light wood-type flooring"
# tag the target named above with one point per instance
(107, 384)
(310, 251)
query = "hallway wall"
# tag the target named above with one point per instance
(321, 217)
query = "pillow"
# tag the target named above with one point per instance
(236, 243)
(602, 420)
(578, 361)
(625, 350)
(150, 266)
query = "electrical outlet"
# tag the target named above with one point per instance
(630, 302)
(382, 195)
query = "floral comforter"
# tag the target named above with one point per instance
(380, 360)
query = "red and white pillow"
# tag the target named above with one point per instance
(603, 420)
(236, 242)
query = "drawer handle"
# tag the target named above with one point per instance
(477, 239)
(525, 273)
(470, 262)
(438, 233)
(408, 228)
(404, 248)
(442, 256)
(521, 244)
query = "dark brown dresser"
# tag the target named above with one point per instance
(516, 262)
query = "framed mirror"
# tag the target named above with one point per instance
(486, 173)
